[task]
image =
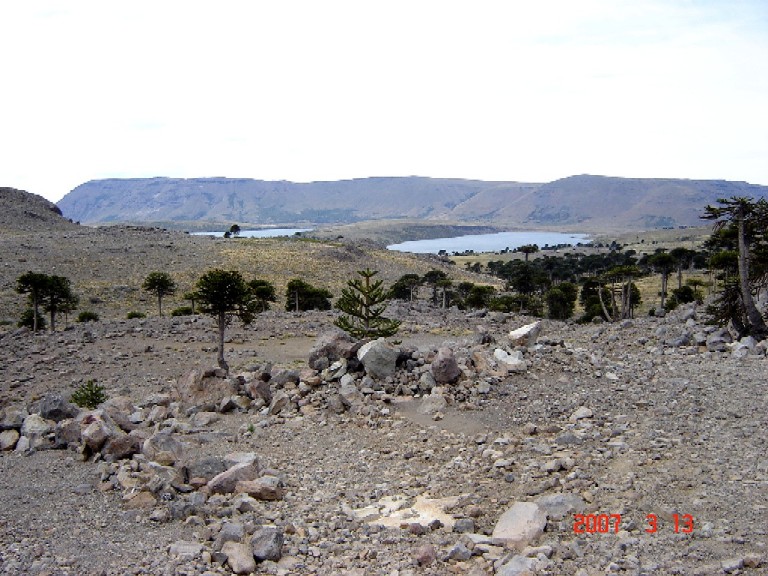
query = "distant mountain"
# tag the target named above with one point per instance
(22, 212)
(581, 202)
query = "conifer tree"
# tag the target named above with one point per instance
(364, 302)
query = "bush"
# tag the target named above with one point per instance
(28, 320)
(134, 314)
(87, 316)
(89, 395)
(182, 311)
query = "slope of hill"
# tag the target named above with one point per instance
(22, 212)
(587, 202)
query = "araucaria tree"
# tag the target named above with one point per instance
(363, 303)
(160, 284)
(58, 298)
(749, 219)
(224, 295)
(33, 284)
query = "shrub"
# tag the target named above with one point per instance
(87, 316)
(182, 311)
(28, 320)
(134, 314)
(89, 395)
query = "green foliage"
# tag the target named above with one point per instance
(264, 293)
(405, 287)
(53, 293)
(363, 302)
(234, 230)
(87, 316)
(160, 284)
(182, 311)
(28, 320)
(224, 295)
(561, 300)
(517, 303)
(89, 395)
(478, 296)
(301, 296)
(134, 314)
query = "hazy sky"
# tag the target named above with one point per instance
(308, 90)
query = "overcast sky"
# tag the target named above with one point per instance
(323, 90)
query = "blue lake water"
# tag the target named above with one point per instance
(265, 233)
(489, 242)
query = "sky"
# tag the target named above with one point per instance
(308, 90)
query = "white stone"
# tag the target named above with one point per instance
(520, 525)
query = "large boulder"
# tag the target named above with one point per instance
(525, 335)
(96, 428)
(163, 448)
(520, 525)
(53, 407)
(267, 543)
(379, 358)
(226, 482)
(331, 346)
(204, 389)
(444, 367)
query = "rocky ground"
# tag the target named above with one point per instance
(457, 450)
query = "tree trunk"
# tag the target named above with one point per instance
(602, 304)
(53, 319)
(36, 314)
(222, 326)
(664, 278)
(160, 304)
(756, 323)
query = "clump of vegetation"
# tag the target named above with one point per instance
(53, 293)
(301, 296)
(160, 284)
(182, 311)
(27, 320)
(87, 316)
(89, 395)
(134, 314)
(363, 303)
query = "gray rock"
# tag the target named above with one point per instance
(279, 401)
(8, 439)
(444, 367)
(464, 525)
(54, 407)
(379, 358)
(259, 389)
(230, 532)
(558, 506)
(525, 335)
(185, 550)
(266, 487)
(12, 418)
(205, 468)
(35, 426)
(226, 482)
(520, 525)
(267, 543)
(331, 346)
(204, 389)
(432, 404)
(239, 557)
(163, 448)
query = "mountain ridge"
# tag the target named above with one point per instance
(583, 200)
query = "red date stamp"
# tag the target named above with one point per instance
(604, 523)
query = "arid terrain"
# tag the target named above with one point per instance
(457, 450)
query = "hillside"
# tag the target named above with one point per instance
(22, 212)
(589, 203)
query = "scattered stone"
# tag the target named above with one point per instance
(444, 368)
(520, 525)
(267, 543)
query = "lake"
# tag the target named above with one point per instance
(489, 242)
(265, 233)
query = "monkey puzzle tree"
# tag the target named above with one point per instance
(32, 284)
(363, 302)
(224, 294)
(263, 293)
(664, 264)
(749, 219)
(160, 284)
(528, 249)
(57, 297)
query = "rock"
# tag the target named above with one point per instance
(239, 557)
(520, 525)
(511, 362)
(350, 395)
(263, 488)
(427, 382)
(204, 389)
(185, 550)
(559, 506)
(444, 367)
(432, 404)
(379, 358)
(581, 413)
(54, 407)
(226, 482)
(163, 448)
(8, 439)
(525, 335)
(35, 426)
(230, 532)
(205, 468)
(464, 525)
(279, 401)
(458, 552)
(518, 565)
(12, 418)
(425, 555)
(120, 409)
(204, 419)
(96, 428)
(331, 346)
(125, 445)
(259, 389)
(267, 543)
